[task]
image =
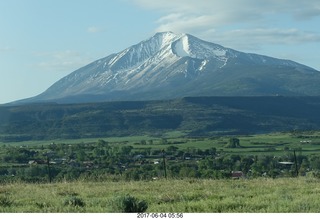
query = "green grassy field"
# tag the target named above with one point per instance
(259, 143)
(189, 195)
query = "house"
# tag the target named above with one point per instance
(35, 162)
(88, 164)
(60, 160)
(171, 158)
(237, 174)
(73, 163)
(32, 162)
(138, 157)
(306, 142)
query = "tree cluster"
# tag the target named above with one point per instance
(102, 160)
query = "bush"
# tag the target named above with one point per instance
(74, 201)
(5, 201)
(234, 143)
(128, 204)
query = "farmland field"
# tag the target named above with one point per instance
(308, 142)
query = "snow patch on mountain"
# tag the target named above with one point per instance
(166, 38)
(203, 64)
(181, 47)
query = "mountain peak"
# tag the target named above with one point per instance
(169, 65)
(167, 36)
(162, 39)
(186, 45)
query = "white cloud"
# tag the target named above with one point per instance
(94, 29)
(182, 23)
(217, 12)
(253, 38)
(61, 61)
(6, 49)
(235, 9)
(246, 21)
(183, 14)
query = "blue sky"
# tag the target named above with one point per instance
(42, 41)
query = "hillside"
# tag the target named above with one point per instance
(194, 115)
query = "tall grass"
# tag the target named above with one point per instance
(257, 195)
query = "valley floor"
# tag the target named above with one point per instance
(282, 195)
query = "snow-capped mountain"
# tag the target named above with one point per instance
(170, 65)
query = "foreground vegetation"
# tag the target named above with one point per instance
(188, 195)
(281, 173)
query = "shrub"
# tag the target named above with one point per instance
(74, 201)
(128, 204)
(5, 201)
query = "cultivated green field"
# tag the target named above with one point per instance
(272, 143)
(188, 195)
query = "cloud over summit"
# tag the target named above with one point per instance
(256, 20)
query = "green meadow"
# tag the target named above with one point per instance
(189, 195)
